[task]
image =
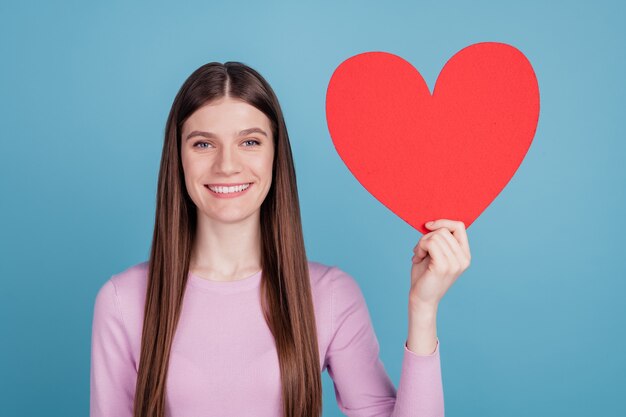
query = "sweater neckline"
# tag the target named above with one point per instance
(247, 283)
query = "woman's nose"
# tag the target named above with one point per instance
(227, 161)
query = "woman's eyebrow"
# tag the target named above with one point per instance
(214, 136)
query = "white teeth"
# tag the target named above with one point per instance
(226, 190)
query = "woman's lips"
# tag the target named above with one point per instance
(227, 195)
(227, 185)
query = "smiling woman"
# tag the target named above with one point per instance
(228, 316)
(236, 173)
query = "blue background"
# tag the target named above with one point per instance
(535, 326)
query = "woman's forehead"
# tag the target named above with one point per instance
(228, 117)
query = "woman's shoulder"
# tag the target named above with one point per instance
(124, 294)
(126, 288)
(132, 278)
(331, 278)
(320, 273)
(336, 295)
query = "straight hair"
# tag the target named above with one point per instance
(285, 288)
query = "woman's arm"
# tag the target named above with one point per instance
(113, 375)
(440, 258)
(422, 339)
(362, 385)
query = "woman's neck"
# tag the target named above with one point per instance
(226, 251)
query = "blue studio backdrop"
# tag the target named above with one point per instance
(535, 326)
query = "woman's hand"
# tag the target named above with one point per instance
(440, 258)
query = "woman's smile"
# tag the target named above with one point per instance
(223, 191)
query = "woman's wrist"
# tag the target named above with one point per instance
(422, 338)
(423, 311)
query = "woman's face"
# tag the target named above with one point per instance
(226, 145)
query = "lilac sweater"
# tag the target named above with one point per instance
(224, 362)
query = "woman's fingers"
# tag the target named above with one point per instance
(460, 259)
(457, 228)
(434, 245)
(447, 248)
(421, 249)
(429, 246)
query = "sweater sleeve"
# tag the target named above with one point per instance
(113, 375)
(362, 386)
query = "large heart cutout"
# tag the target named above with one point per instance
(446, 155)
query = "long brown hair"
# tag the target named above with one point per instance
(285, 288)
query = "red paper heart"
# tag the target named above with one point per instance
(446, 155)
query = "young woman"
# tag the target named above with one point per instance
(228, 317)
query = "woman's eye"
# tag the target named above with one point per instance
(200, 143)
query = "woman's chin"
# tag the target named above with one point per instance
(233, 217)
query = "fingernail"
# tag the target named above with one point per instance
(430, 223)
